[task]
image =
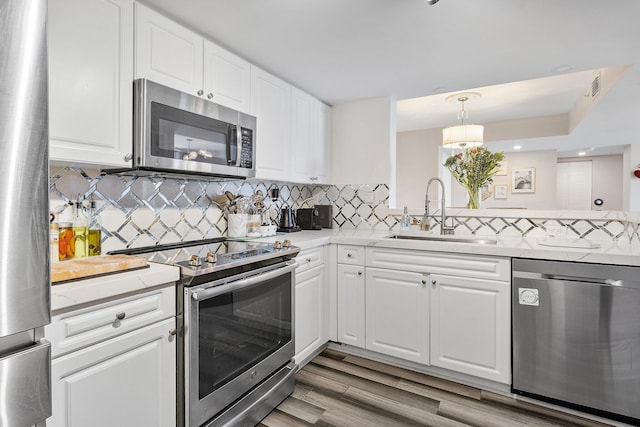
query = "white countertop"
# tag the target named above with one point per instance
(514, 247)
(81, 293)
(73, 295)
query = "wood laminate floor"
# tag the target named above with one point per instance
(337, 389)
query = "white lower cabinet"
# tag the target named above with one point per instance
(311, 319)
(447, 310)
(470, 326)
(397, 314)
(351, 296)
(114, 364)
(125, 381)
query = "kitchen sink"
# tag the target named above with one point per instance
(445, 238)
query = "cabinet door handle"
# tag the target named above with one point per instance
(121, 315)
(424, 282)
(314, 178)
(209, 95)
(173, 332)
(308, 259)
(359, 273)
(433, 282)
(128, 157)
(200, 92)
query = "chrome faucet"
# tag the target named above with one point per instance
(424, 225)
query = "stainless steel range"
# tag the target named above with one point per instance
(235, 328)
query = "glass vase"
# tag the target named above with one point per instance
(474, 198)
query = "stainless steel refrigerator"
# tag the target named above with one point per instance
(25, 384)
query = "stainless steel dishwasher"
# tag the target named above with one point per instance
(576, 335)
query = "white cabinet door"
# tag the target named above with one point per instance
(397, 314)
(90, 81)
(125, 381)
(227, 78)
(310, 331)
(310, 139)
(323, 147)
(271, 104)
(351, 300)
(167, 52)
(302, 136)
(470, 326)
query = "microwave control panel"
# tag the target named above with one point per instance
(246, 153)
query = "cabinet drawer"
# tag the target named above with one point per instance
(81, 328)
(481, 267)
(309, 258)
(348, 254)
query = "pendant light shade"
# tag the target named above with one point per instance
(463, 136)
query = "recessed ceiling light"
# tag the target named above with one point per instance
(582, 153)
(562, 69)
(517, 147)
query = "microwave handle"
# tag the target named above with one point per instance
(238, 144)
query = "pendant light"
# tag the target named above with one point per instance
(462, 135)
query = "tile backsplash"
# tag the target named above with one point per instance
(142, 211)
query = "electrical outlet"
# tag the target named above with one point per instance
(556, 230)
(367, 196)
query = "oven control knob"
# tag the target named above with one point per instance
(211, 258)
(194, 260)
(277, 244)
(286, 243)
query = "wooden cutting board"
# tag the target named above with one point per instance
(83, 268)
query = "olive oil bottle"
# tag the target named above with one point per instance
(95, 230)
(81, 231)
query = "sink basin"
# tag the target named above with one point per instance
(446, 238)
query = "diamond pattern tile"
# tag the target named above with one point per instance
(139, 211)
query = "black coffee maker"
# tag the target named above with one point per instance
(287, 221)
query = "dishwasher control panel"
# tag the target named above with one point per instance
(528, 296)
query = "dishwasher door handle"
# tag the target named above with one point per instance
(586, 280)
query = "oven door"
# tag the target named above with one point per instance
(238, 331)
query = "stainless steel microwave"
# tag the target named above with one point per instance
(176, 133)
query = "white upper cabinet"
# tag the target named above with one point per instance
(90, 82)
(310, 139)
(168, 53)
(175, 56)
(271, 104)
(227, 78)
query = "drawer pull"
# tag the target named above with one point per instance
(359, 273)
(349, 255)
(121, 315)
(308, 259)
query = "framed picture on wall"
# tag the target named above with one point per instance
(502, 168)
(523, 180)
(499, 191)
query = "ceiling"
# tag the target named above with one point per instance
(343, 50)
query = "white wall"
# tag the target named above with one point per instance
(418, 160)
(364, 141)
(606, 179)
(544, 197)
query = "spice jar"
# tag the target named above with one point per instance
(66, 241)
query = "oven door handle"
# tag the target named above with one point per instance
(204, 294)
